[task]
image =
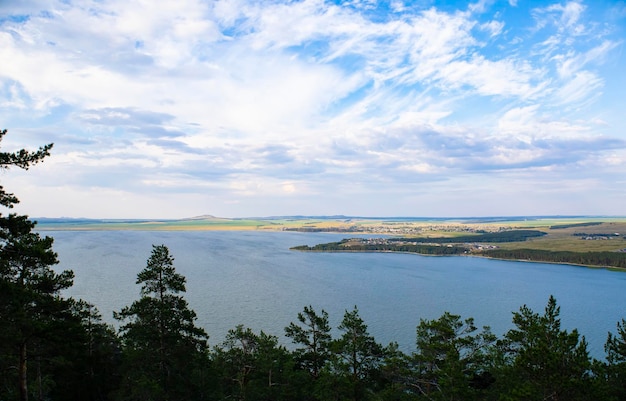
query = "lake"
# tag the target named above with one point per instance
(252, 278)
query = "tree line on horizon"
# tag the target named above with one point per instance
(58, 348)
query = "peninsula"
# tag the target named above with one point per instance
(585, 240)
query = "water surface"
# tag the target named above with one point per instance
(252, 278)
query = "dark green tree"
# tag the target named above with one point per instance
(235, 362)
(84, 357)
(254, 367)
(541, 361)
(164, 351)
(395, 373)
(356, 359)
(30, 299)
(312, 335)
(450, 360)
(22, 159)
(615, 348)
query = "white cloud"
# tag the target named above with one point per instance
(571, 14)
(492, 77)
(247, 99)
(583, 88)
(480, 6)
(565, 16)
(493, 27)
(572, 62)
(518, 120)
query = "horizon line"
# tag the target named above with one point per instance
(339, 216)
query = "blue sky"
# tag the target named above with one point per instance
(246, 108)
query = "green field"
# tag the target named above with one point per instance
(557, 239)
(565, 240)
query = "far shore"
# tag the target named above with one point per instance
(470, 255)
(572, 234)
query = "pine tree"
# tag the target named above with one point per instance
(22, 159)
(312, 334)
(615, 348)
(357, 357)
(254, 367)
(163, 348)
(449, 363)
(30, 300)
(87, 356)
(544, 361)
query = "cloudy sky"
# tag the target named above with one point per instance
(240, 108)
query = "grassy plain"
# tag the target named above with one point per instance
(563, 239)
(559, 230)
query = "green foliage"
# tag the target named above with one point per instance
(616, 345)
(31, 307)
(450, 360)
(615, 348)
(544, 361)
(356, 358)
(344, 246)
(312, 334)
(22, 159)
(163, 349)
(84, 356)
(612, 259)
(254, 367)
(395, 375)
(50, 347)
(160, 277)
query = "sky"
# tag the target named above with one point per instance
(256, 108)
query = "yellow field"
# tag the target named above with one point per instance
(556, 238)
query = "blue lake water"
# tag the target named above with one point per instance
(252, 278)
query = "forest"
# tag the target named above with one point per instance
(349, 245)
(54, 347)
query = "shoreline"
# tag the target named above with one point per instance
(598, 267)
(558, 237)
